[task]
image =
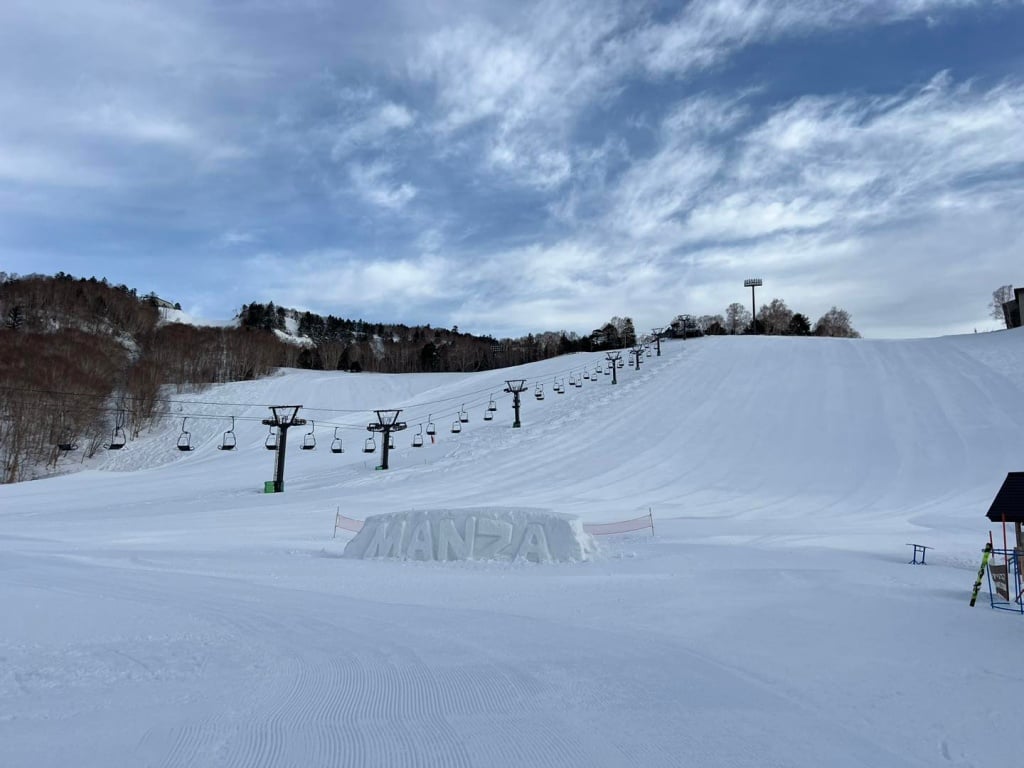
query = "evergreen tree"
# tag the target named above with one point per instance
(15, 318)
(799, 325)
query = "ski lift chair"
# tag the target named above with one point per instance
(370, 446)
(391, 442)
(488, 415)
(431, 429)
(228, 442)
(491, 405)
(456, 426)
(417, 439)
(538, 392)
(271, 442)
(66, 441)
(309, 439)
(117, 439)
(185, 438)
(463, 415)
(336, 446)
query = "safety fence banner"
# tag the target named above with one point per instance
(626, 526)
(346, 524)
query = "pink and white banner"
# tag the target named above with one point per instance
(347, 524)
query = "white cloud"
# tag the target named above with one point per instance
(573, 283)
(654, 194)
(829, 198)
(372, 182)
(531, 162)
(702, 117)
(743, 215)
(885, 157)
(344, 279)
(127, 124)
(236, 237)
(44, 166)
(841, 162)
(526, 86)
(87, 85)
(537, 145)
(368, 122)
(707, 31)
(119, 123)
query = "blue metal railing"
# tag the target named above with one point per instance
(1005, 584)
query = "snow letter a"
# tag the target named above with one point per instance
(387, 539)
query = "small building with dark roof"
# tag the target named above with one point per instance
(156, 301)
(1008, 505)
(1012, 309)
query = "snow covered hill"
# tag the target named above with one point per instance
(170, 315)
(168, 613)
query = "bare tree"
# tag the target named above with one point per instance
(836, 322)
(627, 333)
(774, 317)
(1000, 296)
(736, 318)
(330, 353)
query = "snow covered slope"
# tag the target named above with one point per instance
(168, 613)
(180, 316)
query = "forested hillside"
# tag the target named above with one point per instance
(81, 358)
(84, 363)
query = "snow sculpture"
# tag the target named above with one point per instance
(481, 533)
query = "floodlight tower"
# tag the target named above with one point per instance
(752, 283)
(387, 422)
(285, 416)
(613, 361)
(515, 387)
(657, 339)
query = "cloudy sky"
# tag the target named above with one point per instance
(511, 167)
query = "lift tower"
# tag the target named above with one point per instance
(613, 361)
(387, 422)
(515, 387)
(285, 416)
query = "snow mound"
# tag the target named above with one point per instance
(479, 533)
